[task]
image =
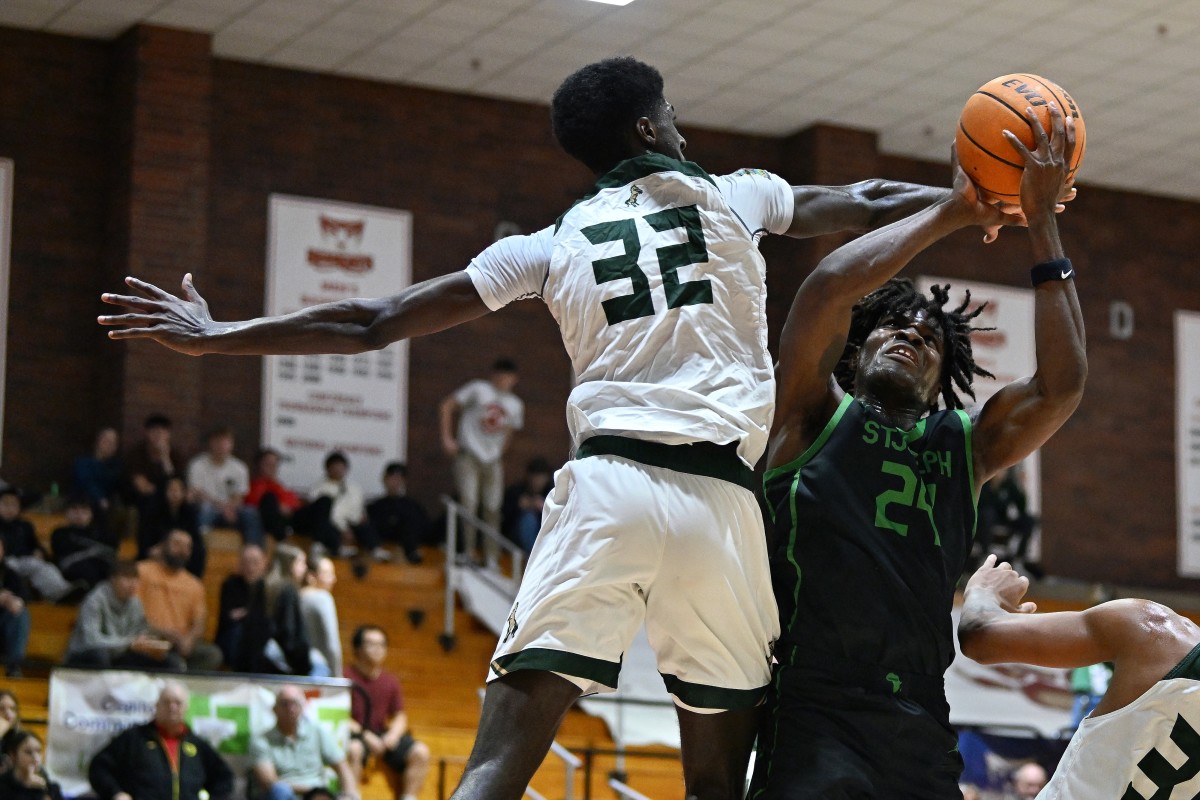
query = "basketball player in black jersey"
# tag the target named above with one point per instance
(873, 491)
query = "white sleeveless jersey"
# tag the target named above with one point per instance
(659, 291)
(1148, 750)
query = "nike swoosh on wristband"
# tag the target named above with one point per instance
(1066, 273)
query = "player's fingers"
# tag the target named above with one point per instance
(990, 234)
(140, 320)
(990, 561)
(148, 289)
(1028, 608)
(1017, 144)
(131, 333)
(1040, 137)
(130, 301)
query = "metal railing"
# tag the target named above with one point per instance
(457, 514)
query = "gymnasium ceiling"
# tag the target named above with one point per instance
(773, 67)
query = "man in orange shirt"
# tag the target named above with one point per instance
(175, 604)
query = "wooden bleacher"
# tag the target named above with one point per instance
(441, 689)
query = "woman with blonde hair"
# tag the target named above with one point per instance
(288, 650)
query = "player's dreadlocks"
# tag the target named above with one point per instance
(899, 296)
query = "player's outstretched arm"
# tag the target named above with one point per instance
(997, 627)
(1023, 415)
(345, 326)
(818, 323)
(858, 207)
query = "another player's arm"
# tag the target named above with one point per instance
(997, 627)
(818, 323)
(857, 207)
(343, 326)
(1023, 415)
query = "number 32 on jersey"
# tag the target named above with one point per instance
(640, 303)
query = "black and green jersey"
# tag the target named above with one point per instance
(873, 526)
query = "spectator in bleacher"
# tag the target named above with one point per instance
(151, 462)
(175, 603)
(172, 511)
(350, 529)
(26, 779)
(242, 624)
(1028, 780)
(521, 514)
(25, 555)
(379, 724)
(10, 712)
(82, 549)
(275, 502)
(320, 613)
(98, 475)
(290, 759)
(218, 482)
(396, 516)
(161, 759)
(14, 618)
(288, 650)
(111, 629)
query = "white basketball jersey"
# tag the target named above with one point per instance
(659, 290)
(1148, 750)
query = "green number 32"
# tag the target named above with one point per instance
(670, 258)
(925, 498)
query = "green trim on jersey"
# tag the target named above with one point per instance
(817, 444)
(636, 168)
(699, 695)
(1189, 667)
(968, 434)
(539, 658)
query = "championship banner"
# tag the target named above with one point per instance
(6, 180)
(320, 251)
(1007, 352)
(89, 708)
(1187, 440)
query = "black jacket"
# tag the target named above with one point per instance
(135, 762)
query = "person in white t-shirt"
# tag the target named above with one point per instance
(487, 413)
(218, 482)
(1143, 739)
(658, 288)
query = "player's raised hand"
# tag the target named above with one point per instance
(1004, 583)
(1045, 183)
(181, 324)
(990, 216)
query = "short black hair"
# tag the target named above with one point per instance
(900, 296)
(504, 365)
(395, 468)
(157, 421)
(263, 452)
(361, 631)
(335, 457)
(593, 108)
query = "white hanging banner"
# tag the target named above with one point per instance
(6, 184)
(89, 708)
(320, 251)
(1187, 440)
(1007, 352)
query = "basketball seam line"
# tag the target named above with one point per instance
(1020, 115)
(971, 139)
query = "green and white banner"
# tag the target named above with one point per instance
(88, 708)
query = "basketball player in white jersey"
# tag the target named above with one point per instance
(657, 284)
(1143, 740)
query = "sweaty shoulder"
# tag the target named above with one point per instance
(513, 268)
(762, 199)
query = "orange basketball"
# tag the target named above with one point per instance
(999, 105)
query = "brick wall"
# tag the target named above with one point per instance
(218, 137)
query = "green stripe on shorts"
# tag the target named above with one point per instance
(593, 669)
(697, 695)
